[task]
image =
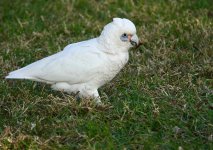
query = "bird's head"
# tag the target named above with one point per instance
(120, 33)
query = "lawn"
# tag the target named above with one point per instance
(162, 99)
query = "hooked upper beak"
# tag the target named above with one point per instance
(134, 40)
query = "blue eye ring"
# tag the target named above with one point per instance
(124, 37)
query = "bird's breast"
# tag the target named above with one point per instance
(113, 65)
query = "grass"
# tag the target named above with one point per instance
(163, 98)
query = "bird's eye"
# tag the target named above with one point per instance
(124, 37)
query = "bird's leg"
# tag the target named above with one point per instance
(90, 93)
(95, 95)
(77, 96)
(97, 100)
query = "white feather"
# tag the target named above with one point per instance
(85, 66)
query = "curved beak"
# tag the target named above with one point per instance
(134, 40)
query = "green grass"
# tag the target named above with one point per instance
(163, 98)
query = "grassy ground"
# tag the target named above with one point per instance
(163, 99)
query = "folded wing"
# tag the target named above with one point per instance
(77, 63)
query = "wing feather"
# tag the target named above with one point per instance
(77, 63)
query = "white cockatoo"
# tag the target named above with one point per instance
(85, 66)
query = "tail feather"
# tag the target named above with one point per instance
(17, 76)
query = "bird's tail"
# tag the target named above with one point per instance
(17, 75)
(20, 74)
